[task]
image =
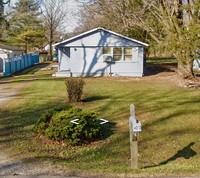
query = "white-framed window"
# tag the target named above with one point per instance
(121, 54)
(117, 54)
(128, 54)
(107, 50)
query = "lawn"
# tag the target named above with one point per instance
(170, 115)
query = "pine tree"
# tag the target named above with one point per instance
(26, 29)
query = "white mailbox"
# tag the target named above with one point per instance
(135, 125)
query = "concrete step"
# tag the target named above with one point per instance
(62, 74)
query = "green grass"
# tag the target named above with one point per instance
(168, 145)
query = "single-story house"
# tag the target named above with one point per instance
(8, 52)
(100, 52)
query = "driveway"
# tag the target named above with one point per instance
(9, 89)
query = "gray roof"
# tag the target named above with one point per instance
(10, 48)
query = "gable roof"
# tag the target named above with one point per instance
(100, 29)
(9, 48)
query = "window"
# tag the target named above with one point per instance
(117, 54)
(107, 50)
(127, 54)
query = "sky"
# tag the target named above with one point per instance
(74, 7)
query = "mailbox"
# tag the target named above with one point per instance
(135, 125)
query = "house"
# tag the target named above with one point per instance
(196, 64)
(100, 52)
(8, 52)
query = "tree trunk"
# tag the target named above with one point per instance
(50, 51)
(186, 70)
(50, 43)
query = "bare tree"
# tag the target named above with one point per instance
(179, 23)
(171, 26)
(54, 16)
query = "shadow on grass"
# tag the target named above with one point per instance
(43, 77)
(155, 68)
(28, 74)
(95, 98)
(107, 155)
(12, 123)
(107, 130)
(186, 153)
(32, 69)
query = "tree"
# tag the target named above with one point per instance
(112, 14)
(54, 17)
(2, 4)
(179, 24)
(3, 21)
(168, 25)
(26, 29)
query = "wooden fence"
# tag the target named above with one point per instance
(18, 63)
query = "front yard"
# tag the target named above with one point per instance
(170, 115)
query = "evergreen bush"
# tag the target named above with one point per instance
(56, 125)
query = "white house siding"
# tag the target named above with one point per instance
(132, 68)
(11, 54)
(88, 61)
(3, 55)
(64, 59)
(100, 38)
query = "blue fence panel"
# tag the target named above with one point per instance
(7, 70)
(26, 61)
(29, 60)
(15, 65)
(36, 58)
(12, 66)
(19, 63)
(32, 59)
(23, 62)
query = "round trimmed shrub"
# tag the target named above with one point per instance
(56, 125)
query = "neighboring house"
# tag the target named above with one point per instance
(196, 64)
(100, 52)
(8, 52)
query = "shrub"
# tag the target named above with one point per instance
(59, 127)
(74, 89)
(43, 122)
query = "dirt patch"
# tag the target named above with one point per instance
(161, 73)
(10, 167)
(9, 90)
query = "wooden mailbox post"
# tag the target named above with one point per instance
(135, 128)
